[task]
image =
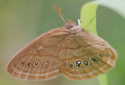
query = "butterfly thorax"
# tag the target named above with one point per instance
(75, 30)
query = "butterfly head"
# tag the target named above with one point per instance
(70, 24)
(72, 27)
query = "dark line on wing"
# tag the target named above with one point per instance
(76, 57)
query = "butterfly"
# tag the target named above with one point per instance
(69, 50)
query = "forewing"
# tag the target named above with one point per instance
(83, 57)
(38, 60)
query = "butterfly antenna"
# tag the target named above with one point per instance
(59, 12)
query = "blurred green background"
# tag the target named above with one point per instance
(23, 20)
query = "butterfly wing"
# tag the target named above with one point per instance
(85, 55)
(38, 60)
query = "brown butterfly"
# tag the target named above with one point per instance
(68, 50)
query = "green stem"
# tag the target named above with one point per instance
(103, 79)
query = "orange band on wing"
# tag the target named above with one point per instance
(31, 77)
(85, 77)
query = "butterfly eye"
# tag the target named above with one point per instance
(78, 63)
(86, 63)
(94, 59)
(101, 55)
(71, 65)
(70, 26)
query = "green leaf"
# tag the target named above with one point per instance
(116, 5)
(88, 16)
(103, 79)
